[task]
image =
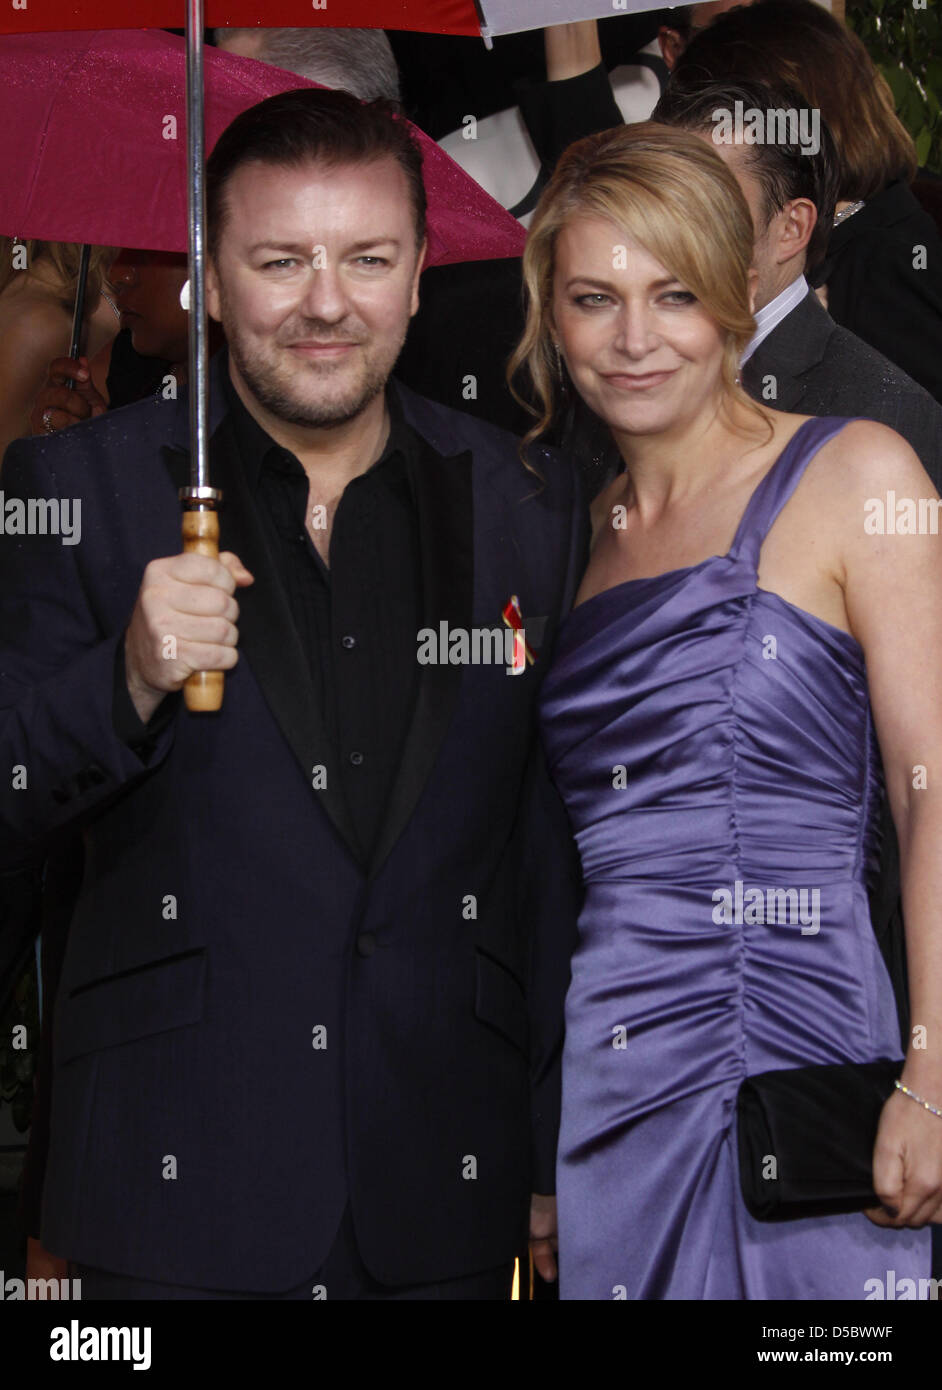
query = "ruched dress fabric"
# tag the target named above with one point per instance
(704, 731)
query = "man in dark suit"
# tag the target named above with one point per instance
(800, 360)
(307, 1032)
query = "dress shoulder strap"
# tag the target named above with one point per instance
(780, 482)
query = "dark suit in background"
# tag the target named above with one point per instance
(821, 368)
(875, 289)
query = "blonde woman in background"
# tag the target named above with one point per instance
(37, 294)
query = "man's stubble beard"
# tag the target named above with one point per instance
(263, 380)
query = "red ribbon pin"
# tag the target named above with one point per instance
(513, 618)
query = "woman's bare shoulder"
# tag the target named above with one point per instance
(864, 455)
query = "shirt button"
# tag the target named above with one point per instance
(348, 642)
(356, 759)
(366, 944)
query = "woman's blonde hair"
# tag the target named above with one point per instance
(669, 192)
(62, 257)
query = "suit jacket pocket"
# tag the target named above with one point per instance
(499, 1001)
(134, 1003)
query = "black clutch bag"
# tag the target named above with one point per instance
(806, 1137)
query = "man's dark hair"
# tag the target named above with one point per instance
(783, 170)
(312, 124)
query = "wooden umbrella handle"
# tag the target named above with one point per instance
(203, 690)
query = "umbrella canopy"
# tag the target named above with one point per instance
(100, 153)
(487, 17)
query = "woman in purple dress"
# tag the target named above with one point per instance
(743, 635)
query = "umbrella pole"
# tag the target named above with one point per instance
(78, 314)
(203, 689)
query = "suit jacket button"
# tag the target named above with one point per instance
(366, 943)
(91, 776)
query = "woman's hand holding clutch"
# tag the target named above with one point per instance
(907, 1157)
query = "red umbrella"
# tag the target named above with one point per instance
(92, 161)
(428, 16)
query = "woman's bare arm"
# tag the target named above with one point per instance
(893, 592)
(571, 49)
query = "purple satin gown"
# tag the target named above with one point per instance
(704, 731)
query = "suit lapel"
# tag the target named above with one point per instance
(267, 636)
(444, 504)
(764, 363)
(791, 351)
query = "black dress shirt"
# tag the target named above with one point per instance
(357, 618)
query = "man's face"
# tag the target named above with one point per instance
(315, 281)
(147, 287)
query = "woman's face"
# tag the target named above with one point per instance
(641, 350)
